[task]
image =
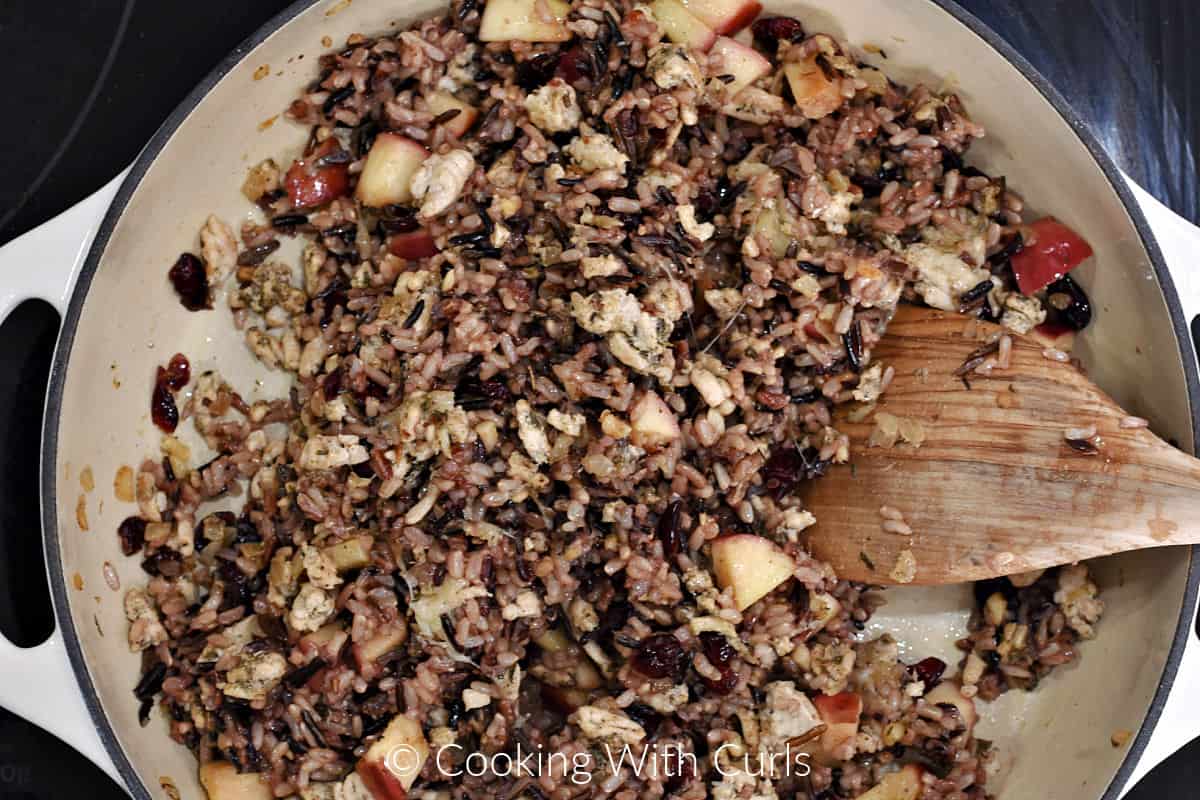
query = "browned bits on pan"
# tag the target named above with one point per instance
(190, 280)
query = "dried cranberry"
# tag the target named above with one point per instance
(684, 772)
(574, 64)
(720, 654)
(495, 390)
(132, 533)
(929, 670)
(178, 372)
(669, 529)
(163, 410)
(659, 656)
(770, 31)
(535, 72)
(788, 466)
(371, 389)
(190, 280)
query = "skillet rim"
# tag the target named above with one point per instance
(146, 158)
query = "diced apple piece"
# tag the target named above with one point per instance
(368, 652)
(524, 21)
(223, 782)
(441, 102)
(724, 16)
(745, 64)
(815, 94)
(391, 765)
(351, 554)
(387, 175)
(770, 225)
(752, 565)
(413, 245)
(654, 423)
(840, 713)
(948, 693)
(310, 185)
(903, 785)
(327, 640)
(682, 26)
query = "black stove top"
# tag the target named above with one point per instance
(90, 80)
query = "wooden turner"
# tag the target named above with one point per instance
(995, 487)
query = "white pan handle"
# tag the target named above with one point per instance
(1179, 724)
(38, 683)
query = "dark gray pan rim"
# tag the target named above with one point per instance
(54, 394)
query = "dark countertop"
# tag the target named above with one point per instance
(90, 81)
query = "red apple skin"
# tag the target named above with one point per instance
(380, 781)
(726, 17)
(745, 64)
(682, 26)
(413, 245)
(845, 707)
(744, 17)
(309, 186)
(841, 714)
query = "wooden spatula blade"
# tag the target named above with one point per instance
(991, 485)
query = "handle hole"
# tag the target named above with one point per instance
(27, 336)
